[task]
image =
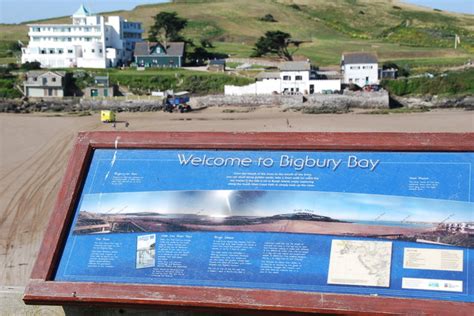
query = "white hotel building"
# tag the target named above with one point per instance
(90, 41)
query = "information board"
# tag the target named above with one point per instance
(378, 223)
(386, 223)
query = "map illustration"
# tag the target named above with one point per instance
(360, 262)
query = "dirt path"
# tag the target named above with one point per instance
(34, 151)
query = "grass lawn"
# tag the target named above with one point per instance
(7, 60)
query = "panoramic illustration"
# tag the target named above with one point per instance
(363, 215)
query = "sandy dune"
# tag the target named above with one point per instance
(34, 150)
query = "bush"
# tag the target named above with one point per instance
(10, 93)
(31, 65)
(295, 6)
(268, 18)
(455, 83)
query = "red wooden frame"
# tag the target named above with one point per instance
(42, 289)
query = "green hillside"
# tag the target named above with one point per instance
(394, 30)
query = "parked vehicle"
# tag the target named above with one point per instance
(371, 88)
(177, 102)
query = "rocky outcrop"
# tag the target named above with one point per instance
(436, 102)
(76, 104)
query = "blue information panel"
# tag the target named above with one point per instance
(373, 223)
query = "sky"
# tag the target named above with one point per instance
(17, 11)
(461, 6)
(221, 203)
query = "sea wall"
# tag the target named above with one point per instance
(372, 100)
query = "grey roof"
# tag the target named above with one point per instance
(295, 66)
(217, 62)
(172, 49)
(269, 75)
(359, 58)
(38, 73)
(175, 49)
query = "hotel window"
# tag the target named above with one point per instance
(60, 51)
(100, 50)
(286, 77)
(299, 78)
(53, 79)
(93, 50)
(69, 51)
(51, 51)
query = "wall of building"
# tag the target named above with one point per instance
(158, 61)
(322, 85)
(99, 92)
(359, 72)
(259, 87)
(40, 92)
(270, 86)
(293, 85)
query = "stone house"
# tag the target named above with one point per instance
(101, 88)
(44, 84)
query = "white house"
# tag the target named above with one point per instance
(90, 41)
(360, 69)
(294, 77)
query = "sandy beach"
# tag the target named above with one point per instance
(324, 228)
(34, 149)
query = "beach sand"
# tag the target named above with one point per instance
(34, 149)
(312, 227)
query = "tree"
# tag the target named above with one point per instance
(402, 71)
(31, 65)
(275, 42)
(167, 27)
